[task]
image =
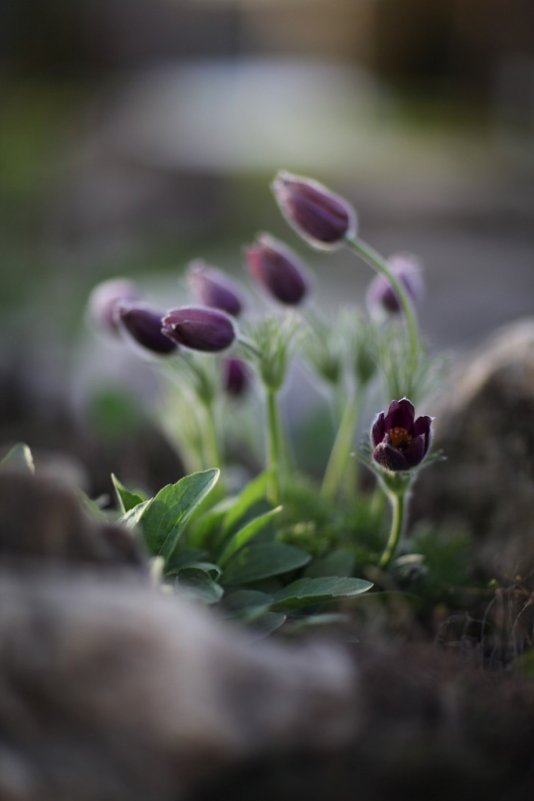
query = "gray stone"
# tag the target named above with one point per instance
(485, 425)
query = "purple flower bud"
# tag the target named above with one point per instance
(407, 268)
(399, 441)
(143, 325)
(212, 288)
(105, 299)
(278, 269)
(317, 214)
(236, 377)
(199, 328)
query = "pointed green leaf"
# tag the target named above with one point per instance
(19, 457)
(247, 533)
(261, 561)
(164, 519)
(252, 493)
(310, 591)
(126, 498)
(133, 517)
(339, 562)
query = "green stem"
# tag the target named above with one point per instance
(340, 453)
(273, 444)
(378, 263)
(212, 456)
(398, 509)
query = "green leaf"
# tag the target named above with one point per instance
(261, 561)
(199, 585)
(266, 624)
(133, 517)
(339, 562)
(164, 518)
(206, 524)
(310, 591)
(210, 568)
(255, 491)
(184, 557)
(19, 457)
(245, 534)
(125, 497)
(247, 605)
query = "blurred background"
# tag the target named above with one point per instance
(138, 134)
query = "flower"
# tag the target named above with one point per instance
(143, 324)
(104, 302)
(381, 295)
(317, 214)
(236, 377)
(399, 441)
(199, 328)
(278, 269)
(212, 288)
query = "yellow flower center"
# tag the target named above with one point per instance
(399, 437)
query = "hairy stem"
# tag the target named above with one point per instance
(398, 510)
(340, 453)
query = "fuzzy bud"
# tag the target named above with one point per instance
(278, 269)
(199, 328)
(212, 288)
(143, 324)
(323, 218)
(105, 300)
(382, 297)
(236, 377)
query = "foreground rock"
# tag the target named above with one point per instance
(111, 690)
(485, 425)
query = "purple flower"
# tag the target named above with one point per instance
(278, 269)
(317, 214)
(212, 288)
(199, 328)
(105, 299)
(236, 377)
(143, 325)
(399, 441)
(407, 268)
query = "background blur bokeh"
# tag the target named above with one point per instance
(136, 134)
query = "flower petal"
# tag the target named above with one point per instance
(415, 451)
(400, 415)
(390, 458)
(422, 427)
(378, 430)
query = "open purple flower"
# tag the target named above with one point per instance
(212, 288)
(323, 218)
(278, 269)
(381, 295)
(143, 325)
(399, 441)
(199, 328)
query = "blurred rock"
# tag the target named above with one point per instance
(485, 425)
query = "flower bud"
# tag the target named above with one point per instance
(317, 214)
(143, 325)
(381, 295)
(236, 377)
(278, 269)
(105, 299)
(212, 288)
(399, 441)
(199, 328)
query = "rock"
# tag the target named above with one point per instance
(485, 426)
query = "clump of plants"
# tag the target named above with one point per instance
(281, 547)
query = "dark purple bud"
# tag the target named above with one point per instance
(399, 440)
(317, 214)
(105, 300)
(212, 288)
(236, 377)
(407, 268)
(143, 325)
(199, 328)
(278, 269)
